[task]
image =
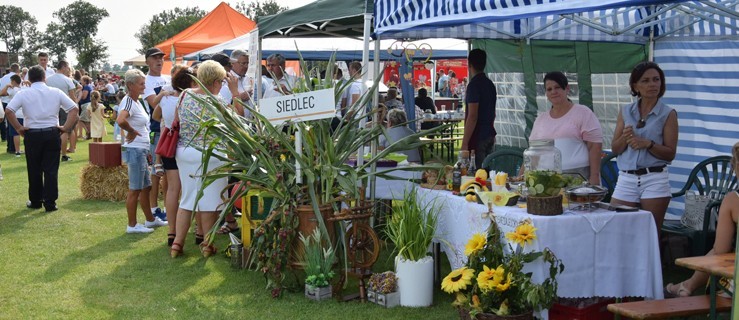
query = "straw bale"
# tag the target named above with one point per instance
(98, 183)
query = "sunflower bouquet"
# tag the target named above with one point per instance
(493, 282)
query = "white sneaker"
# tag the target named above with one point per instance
(138, 228)
(156, 223)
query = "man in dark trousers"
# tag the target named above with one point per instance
(41, 129)
(479, 133)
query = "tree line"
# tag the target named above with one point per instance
(76, 26)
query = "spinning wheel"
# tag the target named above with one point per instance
(363, 246)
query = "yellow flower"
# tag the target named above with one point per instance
(283, 158)
(476, 302)
(460, 300)
(486, 279)
(524, 234)
(457, 280)
(503, 286)
(476, 243)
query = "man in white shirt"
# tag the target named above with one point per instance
(239, 67)
(154, 83)
(43, 61)
(354, 90)
(4, 81)
(282, 83)
(60, 81)
(41, 105)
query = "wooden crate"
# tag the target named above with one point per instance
(105, 154)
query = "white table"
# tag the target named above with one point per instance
(605, 253)
(395, 189)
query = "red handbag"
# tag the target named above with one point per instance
(167, 146)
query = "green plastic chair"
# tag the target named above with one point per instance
(715, 173)
(609, 174)
(506, 160)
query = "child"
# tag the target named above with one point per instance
(97, 124)
(118, 134)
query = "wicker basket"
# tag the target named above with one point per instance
(544, 206)
(465, 315)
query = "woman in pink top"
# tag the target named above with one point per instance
(574, 128)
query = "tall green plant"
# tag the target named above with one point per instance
(412, 227)
(317, 260)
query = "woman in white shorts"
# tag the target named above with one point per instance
(645, 140)
(189, 158)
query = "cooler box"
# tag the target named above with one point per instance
(105, 154)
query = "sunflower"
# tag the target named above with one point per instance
(524, 234)
(486, 279)
(503, 286)
(457, 280)
(476, 243)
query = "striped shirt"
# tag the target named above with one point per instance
(139, 121)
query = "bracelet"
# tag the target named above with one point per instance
(651, 144)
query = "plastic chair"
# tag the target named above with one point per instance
(507, 160)
(609, 174)
(715, 173)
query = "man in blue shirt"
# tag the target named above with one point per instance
(480, 98)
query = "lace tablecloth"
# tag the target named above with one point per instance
(605, 253)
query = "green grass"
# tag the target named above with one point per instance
(78, 263)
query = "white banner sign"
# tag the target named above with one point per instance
(299, 107)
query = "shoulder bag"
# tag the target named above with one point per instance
(168, 139)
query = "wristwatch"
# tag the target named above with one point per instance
(651, 144)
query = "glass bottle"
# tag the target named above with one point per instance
(472, 168)
(542, 155)
(460, 169)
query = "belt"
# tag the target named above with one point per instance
(643, 171)
(49, 129)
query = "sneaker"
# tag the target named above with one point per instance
(66, 158)
(156, 223)
(138, 228)
(159, 213)
(17, 154)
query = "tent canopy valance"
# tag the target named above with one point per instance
(576, 20)
(322, 18)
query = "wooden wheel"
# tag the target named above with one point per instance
(363, 246)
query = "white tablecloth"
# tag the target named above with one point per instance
(605, 253)
(395, 189)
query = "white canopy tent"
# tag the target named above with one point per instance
(695, 42)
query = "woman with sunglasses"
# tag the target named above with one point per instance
(645, 140)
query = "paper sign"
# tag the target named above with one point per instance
(299, 107)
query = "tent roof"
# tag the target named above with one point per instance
(584, 20)
(322, 18)
(220, 25)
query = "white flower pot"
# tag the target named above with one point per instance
(415, 281)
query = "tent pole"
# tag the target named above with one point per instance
(365, 77)
(375, 121)
(651, 43)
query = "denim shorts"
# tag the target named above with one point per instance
(138, 168)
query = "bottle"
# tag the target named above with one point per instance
(460, 169)
(472, 168)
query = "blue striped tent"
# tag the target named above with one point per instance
(695, 42)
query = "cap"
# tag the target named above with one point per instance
(221, 58)
(154, 52)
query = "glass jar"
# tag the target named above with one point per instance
(542, 155)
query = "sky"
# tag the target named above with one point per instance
(126, 17)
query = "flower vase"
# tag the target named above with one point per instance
(415, 281)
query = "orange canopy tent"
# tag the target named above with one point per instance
(220, 25)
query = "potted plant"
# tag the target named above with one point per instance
(383, 289)
(493, 285)
(411, 229)
(263, 156)
(317, 261)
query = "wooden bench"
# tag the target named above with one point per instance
(668, 308)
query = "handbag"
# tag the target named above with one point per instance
(167, 146)
(695, 209)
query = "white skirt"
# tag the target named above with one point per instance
(189, 164)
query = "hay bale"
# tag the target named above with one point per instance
(98, 183)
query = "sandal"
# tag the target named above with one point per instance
(158, 169)
(176, 250)
(676, 291)
(170, 239)
(199, 239)
(207, 250)
(225, 229)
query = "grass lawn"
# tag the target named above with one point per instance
(78, 263)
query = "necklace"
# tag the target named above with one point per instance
(642, 119)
